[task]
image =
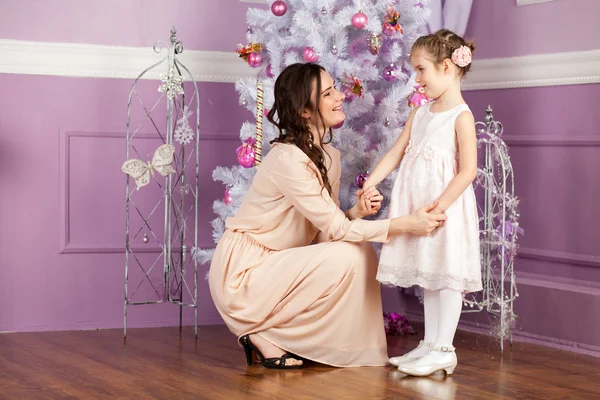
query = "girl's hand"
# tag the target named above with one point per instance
(368, 201)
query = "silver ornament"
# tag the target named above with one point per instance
(145, 238)
(324, 11)
(334, 50)
(387, 122)
(244, 102)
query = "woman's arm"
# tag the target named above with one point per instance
(467, 146)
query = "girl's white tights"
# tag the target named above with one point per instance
(449, 314)
(442, 310)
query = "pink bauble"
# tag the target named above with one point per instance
(360, 179)
(269, 71)
(390, 73)
(310, 55)
(254, 60)
(388, 29)
(245, 153)
(359, 20)
(266, 112)
(338, 126)
(279, 8)
(227, 197)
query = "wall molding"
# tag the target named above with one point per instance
(551, 140)
(556, 69)
(525, 2)
(101, 61)
(585, 260)
(65, 244)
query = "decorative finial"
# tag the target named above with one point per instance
(173, 35)
(489, 117)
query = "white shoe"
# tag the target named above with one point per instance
(410, 357)
(438, 359)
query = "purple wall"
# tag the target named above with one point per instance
(503, 29)
(554, 143)
(201, 24)
(44, 286)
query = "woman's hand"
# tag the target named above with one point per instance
(421, 222)
(368, 201)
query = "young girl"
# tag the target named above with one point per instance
(438, 151)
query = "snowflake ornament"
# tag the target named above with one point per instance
(184, 134)
(172, 84)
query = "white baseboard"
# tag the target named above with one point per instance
(100, 61)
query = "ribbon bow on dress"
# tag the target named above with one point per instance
(161, 162)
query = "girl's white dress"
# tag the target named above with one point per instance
(450, 257)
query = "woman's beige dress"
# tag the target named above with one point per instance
(320, 301)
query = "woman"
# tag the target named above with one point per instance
(285, 298)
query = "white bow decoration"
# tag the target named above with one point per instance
(161, 162)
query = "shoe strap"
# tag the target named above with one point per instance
(445, 349)
(422, 343)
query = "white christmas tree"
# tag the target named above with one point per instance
(364, 45)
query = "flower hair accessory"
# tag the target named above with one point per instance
(462, 56)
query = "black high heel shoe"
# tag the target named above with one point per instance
(273, 362)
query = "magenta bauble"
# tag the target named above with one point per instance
(359, 20)
(245, 153)
(360, 179)
(389, 29)
(390, 73)
(227, 197)
(254, 60)
(310, 55)
(279, 8)
(269, 71)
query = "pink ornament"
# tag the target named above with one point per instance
(310, 55)
(338, 126)
(390, 73)
(360, 179)
(266, 112)
(418, 97)
(245, 153)
(269, 71)
(279, 8)
(254, 60)
(227, 197)
(389, 29)
(359, 20)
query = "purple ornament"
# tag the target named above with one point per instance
(360, 179)
(310, 55)
(254, 60)
(269, 71)
(390, 73)
(227, 197)
(389, 29)
(279, 8)
(359, 20)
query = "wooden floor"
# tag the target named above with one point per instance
(159, 364)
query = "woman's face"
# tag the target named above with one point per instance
(330, 104)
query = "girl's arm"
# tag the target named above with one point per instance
(392, 158)
(467, 147)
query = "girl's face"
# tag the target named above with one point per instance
(434, 79)
(330, 104)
